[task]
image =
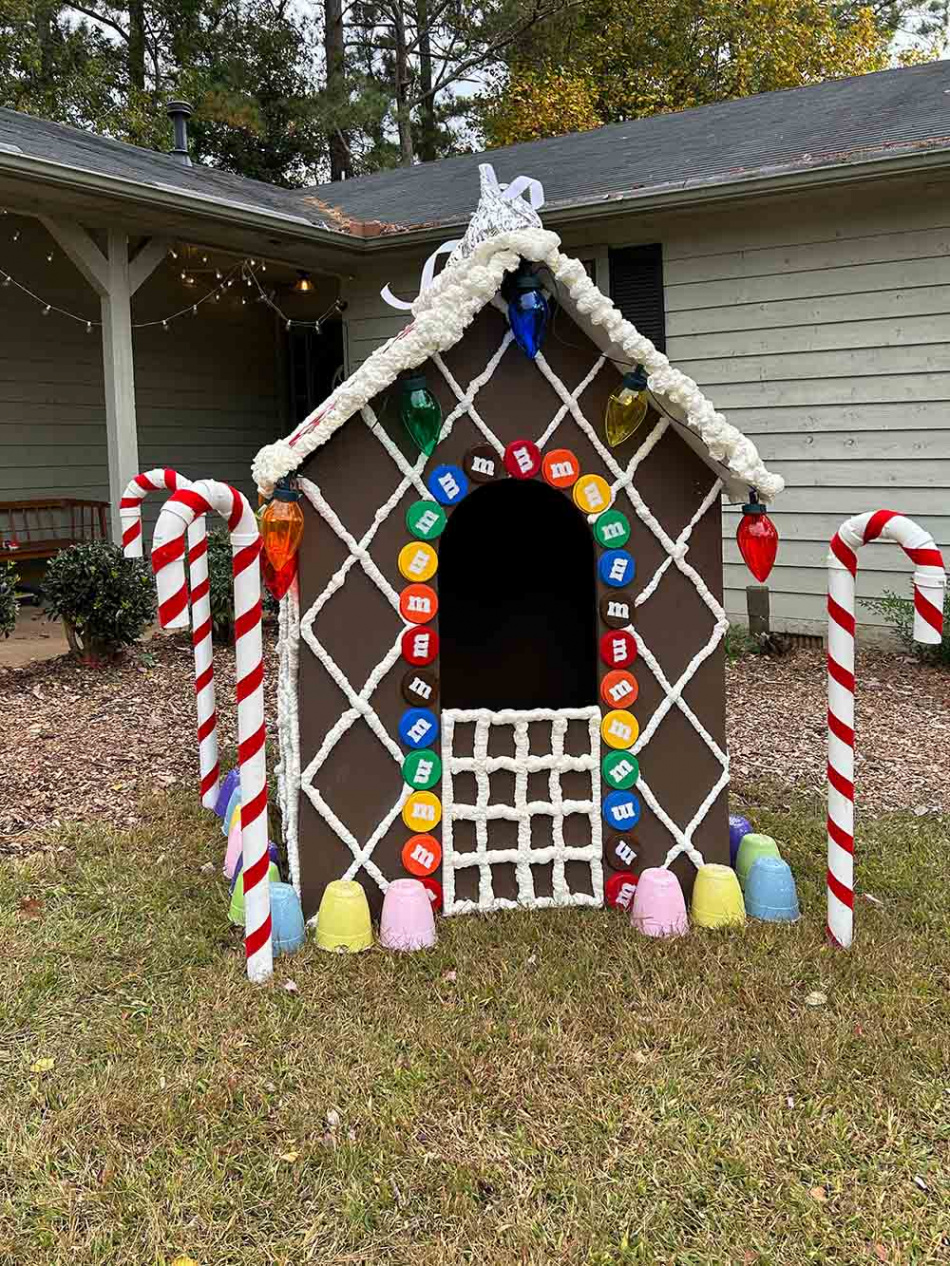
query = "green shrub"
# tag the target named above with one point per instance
(8, 603)
(221, 587)
(899, 614)
(105, 600)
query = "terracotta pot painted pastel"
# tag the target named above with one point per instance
(753, 847)
(343, 922)
(717, 898)
(770, 893)
(659, 907)
(407, 921)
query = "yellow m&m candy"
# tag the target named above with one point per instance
(422, 811)
(592, 494)
(418, 561)
(619, 728)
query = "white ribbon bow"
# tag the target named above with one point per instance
(491, 190)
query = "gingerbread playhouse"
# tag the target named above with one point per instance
(501, 664)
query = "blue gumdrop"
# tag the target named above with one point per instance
(286, 919)
(770, 893)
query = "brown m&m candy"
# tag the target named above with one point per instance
(616, 610)
(420, 687)
(620, 851)
(482, 464)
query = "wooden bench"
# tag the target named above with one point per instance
(42, 527)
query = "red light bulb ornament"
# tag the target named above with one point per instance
(281, 525)
(757, 538)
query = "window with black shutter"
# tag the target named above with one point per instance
(636, 287)
(314, 365)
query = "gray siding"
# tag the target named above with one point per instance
(821, 326)
(207, 390)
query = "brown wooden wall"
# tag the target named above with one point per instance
(360, 781)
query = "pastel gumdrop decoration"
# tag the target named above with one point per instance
(226, 790)
(272, 853)
(343, 922)
(717, 897)
(236, 910)
(659, 907)
(738, 827)
(407, 921)
(770, 892)
(752, 847)
(287, 919)
(233, 854)
(233, 802)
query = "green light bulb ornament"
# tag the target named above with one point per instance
(420, 413)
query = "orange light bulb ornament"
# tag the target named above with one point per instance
(757, 538)
(281, 525)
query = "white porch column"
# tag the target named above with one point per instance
(115, 278)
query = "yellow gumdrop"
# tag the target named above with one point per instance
(619, 728)
(418, 561)
(717, 898)
(422, 811)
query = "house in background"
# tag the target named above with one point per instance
(791, 252)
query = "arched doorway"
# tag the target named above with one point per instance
(517, 601)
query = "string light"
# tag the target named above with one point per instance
(49, 257)
(242, 270)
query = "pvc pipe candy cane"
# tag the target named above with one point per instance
(168, 548)
(130, 514)
(929, 584)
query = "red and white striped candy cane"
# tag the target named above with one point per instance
(130, 514)
(929, 583)
(168, 549)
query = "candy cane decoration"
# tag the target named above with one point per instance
(168, 549)
(929, 584)
(130, 514)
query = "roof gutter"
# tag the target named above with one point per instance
(172, 198)
(762, 183)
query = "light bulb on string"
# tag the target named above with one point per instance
(47, 310)
(6, 279)
(165, 326)
(627, 407)
(527, 311)
(420, 413)
(281, 525)
(49, 257)
(194, 309)
(757, 538)
(88, 327)
(16, 235)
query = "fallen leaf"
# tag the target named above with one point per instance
(291, 986)
(819, 1194)
(880, 1252)
(450, 976)
(790, 1101)
(184, 1261)
(333, 1118)
(920, 1183)
(290, 1157)
(869, 896)
(32, 907)
(44, 1065)
(858, 1031)
(207, 868)
(816, 998)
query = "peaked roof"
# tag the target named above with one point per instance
(504, 230)
(831, 124)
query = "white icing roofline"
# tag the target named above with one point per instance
(443, 312)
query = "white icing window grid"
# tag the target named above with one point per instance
(524, 857)
(360, 706)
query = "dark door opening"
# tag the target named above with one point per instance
(517, 601)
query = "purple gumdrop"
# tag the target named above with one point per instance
(224, 794)
(738, 827)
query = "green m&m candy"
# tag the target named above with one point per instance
(422, 769)
(620, 770)
(612, 529)
(425, 519)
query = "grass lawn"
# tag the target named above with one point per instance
(541, 1088)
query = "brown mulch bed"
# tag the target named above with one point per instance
(79, 744)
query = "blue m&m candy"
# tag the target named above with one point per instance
(617, 568)
(418, 728)
(448, 484)
(621, 810)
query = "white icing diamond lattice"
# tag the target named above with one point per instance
(359, 707)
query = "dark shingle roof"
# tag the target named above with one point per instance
(58, 143)
(829, 123)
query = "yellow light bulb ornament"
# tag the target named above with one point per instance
(627, 407)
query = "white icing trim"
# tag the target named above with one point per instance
(523, 857)
(444, 311)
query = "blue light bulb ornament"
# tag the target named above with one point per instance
(528, 313)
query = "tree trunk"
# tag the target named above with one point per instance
(401, 85)
(429, 134)
(341, 166)
(137, 44)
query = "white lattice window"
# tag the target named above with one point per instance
(540, 823)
